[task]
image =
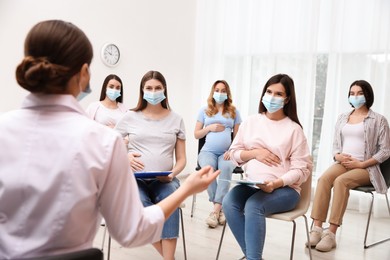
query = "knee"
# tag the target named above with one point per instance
(205, 158)
(226, 174)
(226, 201)
(339, 182)
(254, 207)
(208, 163)
(323, 182)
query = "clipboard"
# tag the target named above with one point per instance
(247, 182)
(151, 174)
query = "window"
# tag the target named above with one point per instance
(319, 102)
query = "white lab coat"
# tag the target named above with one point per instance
(58, 170)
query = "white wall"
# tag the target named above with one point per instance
(151, 34)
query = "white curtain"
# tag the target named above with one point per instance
(247, 41)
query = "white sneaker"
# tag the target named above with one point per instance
(327, 243)
(212, 220)
(315, 236)
(221, 218)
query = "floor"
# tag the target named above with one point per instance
(202, 242)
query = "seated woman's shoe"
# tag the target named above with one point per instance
(212, 220)
(327, 243)
(221, 218)
(315, 236)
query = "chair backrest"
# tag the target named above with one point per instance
(88, 254)
(385, 169)
(304, 201)
(201, 143)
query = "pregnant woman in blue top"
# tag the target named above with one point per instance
(217, 121)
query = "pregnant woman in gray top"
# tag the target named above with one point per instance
(156, 135)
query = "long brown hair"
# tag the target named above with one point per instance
(228, 107)
(289, 109)
(104, 87)
(142, 103)
(54, 52)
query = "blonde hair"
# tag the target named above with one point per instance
(228, 107)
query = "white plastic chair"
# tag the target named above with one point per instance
(299, 211)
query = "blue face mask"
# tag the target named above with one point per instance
(154, 97)
(113, 94)
(357, 101)
(271, 103)
(219, 97)
(84, 93)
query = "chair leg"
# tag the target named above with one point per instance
(307, 235)
(182, 232)
(109, 242)
(220, 241)
(368, 223)
(104, 237)
(293, 240)
(109, 247)
(387, 202)
(193, 205)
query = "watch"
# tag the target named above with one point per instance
(110, 54)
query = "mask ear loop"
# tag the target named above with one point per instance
(87, 88)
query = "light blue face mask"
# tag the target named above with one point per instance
(84, 93)
(219, 97)
(154, 97)
(357, 101)
(271, 103)
(113, 94)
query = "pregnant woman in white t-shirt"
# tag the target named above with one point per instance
(109, 109)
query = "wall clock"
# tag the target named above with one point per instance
(110, 54)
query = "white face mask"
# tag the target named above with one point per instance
(357, 101)
(219, 97)
(84, 93)
(113, 94)
(272, 104)
(154, 97)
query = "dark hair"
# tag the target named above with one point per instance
(54, 52)
(142, 103)
(290, 108)
(228, 106)
(104, 87)
(367, 91)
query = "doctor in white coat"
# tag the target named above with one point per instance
(61, 171)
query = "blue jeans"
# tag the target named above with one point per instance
(246, 208)
(152, 192)
(217, 189)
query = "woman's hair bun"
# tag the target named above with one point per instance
(38, 75)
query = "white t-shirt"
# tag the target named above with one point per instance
(353, 140)
(106, 116)
(154, 139)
